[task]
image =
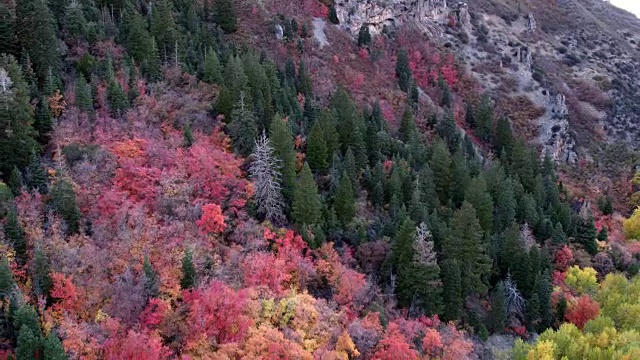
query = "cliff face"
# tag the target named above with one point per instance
(575, 59)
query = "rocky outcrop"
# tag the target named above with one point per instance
(554, 129)
(523, 55)
(532, 25)
(425, 14)
(460, 14)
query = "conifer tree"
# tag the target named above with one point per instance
(447, 129)
(188, 280)
(440, 164)
(460, 178)
(75, 23)
(8, 41)
(464, 243)
(16, 117)
(497, 318)
(282, 142)
(133, 92)
(63, 200)
(15, 181)
(187, 136)
(344, 204)
(333, 15)
(403, 71)
(243, 129)
(153, 65)
(557, 235)
(163, 28)
(485, 119)
(151, 280)
(317, 149)
(84, 100)
(603, 234)
(446, 92)
(364, 36)
(452, 289)
(138, 39)
(305, 85)
(533, 312)
(265, 173)
(29, 344)
(225, 15)
(586, 232)
(37, 35)
(53, 349)
(118, 100)
(504, 206)
(331, 137)
(347, 119)
(36, 176)
(407, 128)
(307, 205)
(478, 196)
(41, 273)
(470, 116)
(212, 68)
(543, 290)
(6, 278)
(503, 138)
(15, 235)
(42, 124)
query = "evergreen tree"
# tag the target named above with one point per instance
(118, 100)
(364, 36)
(212, 68)
(16, 117)
(344, 204)
(6, 278)
(497, 318)
(243, 129)
(503, 138)
(446, 92)
(153, 65)
(440, 164)
(460, 177)
(478, 196)
(37, 35)
(188, 280)
(317, 149)
(151, 279)
(15, 181)
(533, 312)
(63, 200)
(36, 176)
(447, 129)
(348, 120)
(333, 15)
(305, 85)
(464, 243)
(187, 136)
(41, 273)
(485, 119)
(470, 116)
(452, 290)
(163, 28)
(53, 349)
(331, 137)
(133, 92)
(8, 41)
(557, 235)
(84, 101)
(586, 232)
(138, 39)
(543, 290)
(403, 71)
(350, 167)
(603, 234)
(225, 15)
(15, 235)
(307, 205)
(505, 206)
(282, 142)
(75, 24)
(29, 344)
(407, 128)
(42, 124)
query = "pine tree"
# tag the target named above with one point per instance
(29, 344)
(151, 280)
(53, 349)
(330, 133)
(63, 200)
(118, 100)
(15, 235)
(317, 149)
(464, 243)
(163, 28)
(347, 119)
(16, 117)
(533, 312)
(586, 232)
(333, 15)
(447, 129)
(138, 39)
(440, 164)
(133, 92)
(460, 177)
(37, 35)
(36, 176)
(84, 100)
(505, 206)
(557, 235)
(212, 68)
(153, 65)
(243, 129)
(407, 128)
(344, 204)
(15, 181)
(503, 138)
(307, 206)
(41, 273)
(282, 142)
(6, 278)
(543, 290)
(42, 124)
(446, 92)
(364, 36)
(485, 119)
(603, 234)
(187, 136)
(403, 71)
(225, 16)
(75, 24)
(305, 85)
(8, 41)
(452, 290)
(470, 116)
(497, 318)
(478, 196)
(265, 173)
(188, 280)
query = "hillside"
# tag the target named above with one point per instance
(218, 179)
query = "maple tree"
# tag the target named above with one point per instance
(583, 310)
(212, 219)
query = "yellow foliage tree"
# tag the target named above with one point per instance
(632, 225)
(581, 280)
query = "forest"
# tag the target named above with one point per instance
(175, 187)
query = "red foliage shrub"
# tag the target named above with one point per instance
(265, 269)
(64, 293)
(580, 312)
(394, 346)
(563, 259)
(212, 220)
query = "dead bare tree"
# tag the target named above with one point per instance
(265, 173)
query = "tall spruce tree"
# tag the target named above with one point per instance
(282, 142)
(485, 119)
(452, 289)
(37, 35)
(317, 149)
(212, 67)
(84, 100)
(478, 196)
(151, 279)
(41, 273)
(53, 349)
(188, 280)
(243, 129)
(465, 244)
(63, 200)
(497, 318)
(225, 15)
(14, 233)
(6, 278)
(403, 71)
(440, 164)
(307, 205)
(344, 203)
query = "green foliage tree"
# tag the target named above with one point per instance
(36, 176)
(407, 129)
(42, 124)
(118, 100)
(440, 164)
(447, 129)
(344, 204)
(15, 181)
(53, 349)
(164, 30)
(497, 317)
(29, 344)
(503, 138)
(485, 119)
(41, 273)
(63, 200)
(403, 71)
(557, 235)
(189, 276)
(153, 65)
(307, 205)
(187, 136)
(6, 278)
(464, 243)
(15, 235)
(243, 129)
(603, 234)
(225, 16)
(8, 40)
(586, 232)
(138, 40)
(37, 35)
(75, 23)
(478, 196)
(452, 290)
(333, 15)
(212, 67)
(364, 36)
(317, 149)
(505, 206)
(84, 100)
(282, 142)
(151, 279)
